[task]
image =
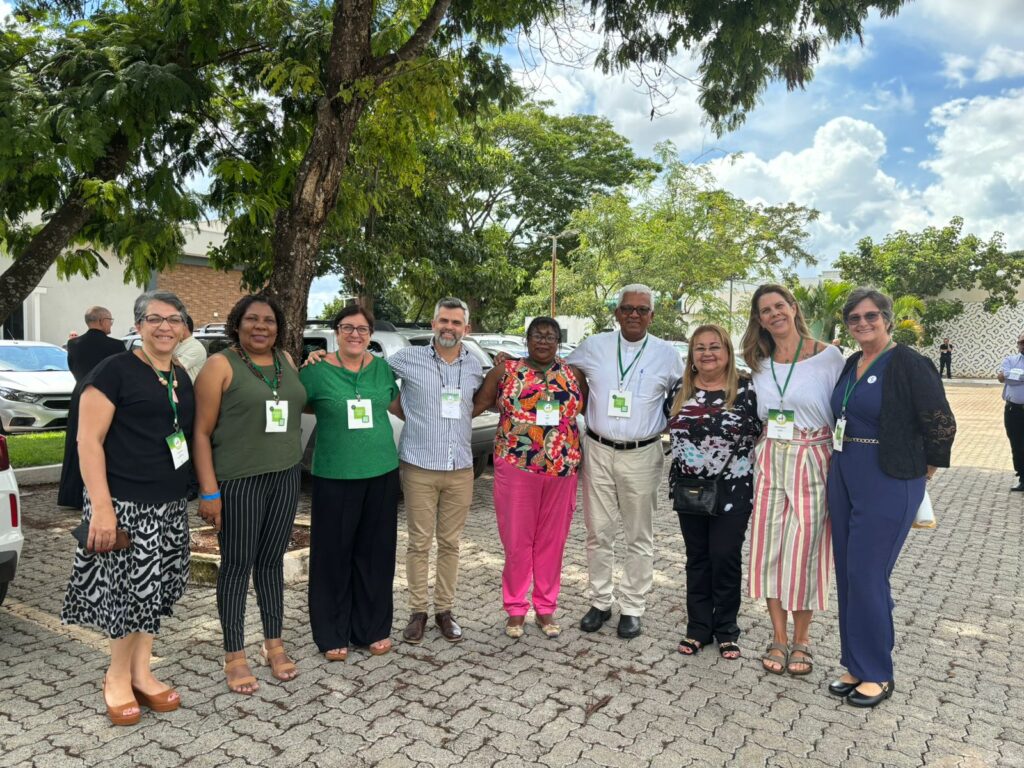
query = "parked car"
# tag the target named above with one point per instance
(35, 386)
(501, 342)
(10, 521)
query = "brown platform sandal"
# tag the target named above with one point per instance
(165, 701)
(119, 715)
(235, 683)
(281, 666)
(380, 647)
(336, 654)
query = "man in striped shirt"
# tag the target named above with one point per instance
(438, 384)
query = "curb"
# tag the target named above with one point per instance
(50, 473)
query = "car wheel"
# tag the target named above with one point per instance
(480, 464)
(307, 455)
(3, 592)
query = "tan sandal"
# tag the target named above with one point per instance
(514, 631)
(123, 714)
(281, 666)
(769, 657)
(806, 660)
(380, 647)
(336, 654)
(235, 684)
(551, 629)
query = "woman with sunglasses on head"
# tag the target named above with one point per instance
(249, 403)
(354, 515)
(135, 420)
(536, 455)
(893, 428)
(790, 561)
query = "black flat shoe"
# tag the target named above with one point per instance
(594, 619)
(1018, 487)
(841, 689)
(629, 626)
(858, 699)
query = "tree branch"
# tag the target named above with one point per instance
(414, 46)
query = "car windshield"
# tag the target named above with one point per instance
(33, 359)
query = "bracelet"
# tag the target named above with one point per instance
(210, 496)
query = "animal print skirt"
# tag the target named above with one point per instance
(130, 590)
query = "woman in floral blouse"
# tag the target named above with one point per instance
(536, 453)
(713, 425)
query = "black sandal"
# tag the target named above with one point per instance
(692, 646)
(729, 647)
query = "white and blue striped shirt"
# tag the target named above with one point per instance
(430, 441)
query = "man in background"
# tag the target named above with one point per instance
(946, 358)
(190, 352)
(1011, 375)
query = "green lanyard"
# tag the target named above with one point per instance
(274, 385)
(852, 382)
(624, 371)
(542, 374)
(170, 388)
(362, 362)
(792, 367)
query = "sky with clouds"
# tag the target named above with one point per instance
(920, 124)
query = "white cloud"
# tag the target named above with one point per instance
(957, 68)
(964, 23)
(999, 62)
(848, 55)
(892, 96)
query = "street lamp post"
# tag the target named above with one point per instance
(554, 263)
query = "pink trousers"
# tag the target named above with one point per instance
(534, 514)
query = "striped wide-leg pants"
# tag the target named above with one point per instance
(790, 530)
(256, 524)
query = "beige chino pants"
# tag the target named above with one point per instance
(436, 503)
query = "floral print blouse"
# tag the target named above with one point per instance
(520, 441)
(708, 440)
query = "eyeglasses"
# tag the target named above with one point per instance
(871, 317)
(253, 319)
(629, 309)
(157, 320)
(545, 338)
(348, 330)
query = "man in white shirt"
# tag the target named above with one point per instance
(630, 374)
(1011, 374)
(190, 351)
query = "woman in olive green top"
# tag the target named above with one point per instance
(355, 493)
(249, 403)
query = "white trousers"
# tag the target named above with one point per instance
(620, 486)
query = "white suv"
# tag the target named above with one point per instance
(10, 521)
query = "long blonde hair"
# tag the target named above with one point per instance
(732, 378)
(757, 343)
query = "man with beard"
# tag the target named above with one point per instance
(438, 384)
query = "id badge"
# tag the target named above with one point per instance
(781, 424)
(837, 435)
(620, 404)
(360, 414)
(277, 416)
(547, 413)
(1016, 374)
(451, 404)
(179, 448)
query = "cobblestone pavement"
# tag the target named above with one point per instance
(580, 700)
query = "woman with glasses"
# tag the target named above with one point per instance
(249, 403)
(893, 428)
(135, 420)
(536, 454)
(793, 375)
(354, 516)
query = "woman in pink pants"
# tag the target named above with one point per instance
(536, 453)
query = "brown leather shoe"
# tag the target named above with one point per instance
(413, 632)
(449, 627)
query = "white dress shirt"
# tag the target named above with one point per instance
(809, 393)
(1013, 386)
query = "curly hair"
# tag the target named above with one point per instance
(242, 306)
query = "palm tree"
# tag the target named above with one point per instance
(822, 306)
(906, 315)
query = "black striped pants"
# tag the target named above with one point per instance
(256, 524)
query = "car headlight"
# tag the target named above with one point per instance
(17, 396)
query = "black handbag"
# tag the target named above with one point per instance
(695, 496)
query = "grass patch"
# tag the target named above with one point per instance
(36, 449)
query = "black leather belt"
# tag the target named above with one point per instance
(624, 445)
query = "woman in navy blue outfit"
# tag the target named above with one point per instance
(893, 429)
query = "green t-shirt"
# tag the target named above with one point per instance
(342, 453)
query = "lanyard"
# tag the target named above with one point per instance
(274, 385)
(624, 371)
(169, 381)
(854, 380)
(542, 374)
(792, 367)
(362, 362)
(441, 371)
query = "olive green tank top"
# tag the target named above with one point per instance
(242, 447)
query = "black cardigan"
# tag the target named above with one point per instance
(916, 426)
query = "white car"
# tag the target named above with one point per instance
(10, 521)
(35, 386)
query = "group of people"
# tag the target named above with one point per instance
(743, 448)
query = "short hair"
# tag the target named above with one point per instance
(450, 302)
(95, 314)
(636, 288)
(142, 303)
(190, 323)
(242, 306)
(545, 322)
(876, 297)
(349, 311)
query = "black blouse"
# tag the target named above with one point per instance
(708, 441)
(916, 426)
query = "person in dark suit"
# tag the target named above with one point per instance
(84, 353)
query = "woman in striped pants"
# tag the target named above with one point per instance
(246, 445)
(790, 535)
